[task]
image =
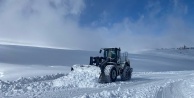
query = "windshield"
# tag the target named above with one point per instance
(109, 53)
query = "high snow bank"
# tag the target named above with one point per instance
(31, 86)
(86, 77)
(81, 77)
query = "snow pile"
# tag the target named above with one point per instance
(83, 77)
(31, 86)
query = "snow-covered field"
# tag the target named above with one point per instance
(34, 72)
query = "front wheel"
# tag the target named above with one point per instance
(111, 73)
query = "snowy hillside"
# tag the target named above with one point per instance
(45, 73)
(26, 55)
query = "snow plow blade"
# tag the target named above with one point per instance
(103, 78)
(80, 67)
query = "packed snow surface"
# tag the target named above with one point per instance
(28, 72)
(83, 83)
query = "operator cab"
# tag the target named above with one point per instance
(113, 53)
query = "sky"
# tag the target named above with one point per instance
(133, 25)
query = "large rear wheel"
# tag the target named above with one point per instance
(126, 75)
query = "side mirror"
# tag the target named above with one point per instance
(100, 51)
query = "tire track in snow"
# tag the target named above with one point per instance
(70, 93)
(172, 90)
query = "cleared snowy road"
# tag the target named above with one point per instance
(175, 84)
